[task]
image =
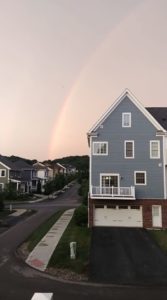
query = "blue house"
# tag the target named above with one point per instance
(128, 166)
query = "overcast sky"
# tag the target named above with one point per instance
(64, 62)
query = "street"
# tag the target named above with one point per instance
(19, 282)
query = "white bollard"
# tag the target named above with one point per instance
(10, 207)
(73, 248)
(42, 296)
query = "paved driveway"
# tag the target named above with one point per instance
(126, 256)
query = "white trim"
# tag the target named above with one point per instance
(90, 166)
(164, 169)
(1, 173)
(158, 142)
(133, 149)
(5, 165)
(145, 176)
(136, 102)
(109, 174)
(123, 120)
(60, 166)
(100, 142)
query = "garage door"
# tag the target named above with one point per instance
(122, 216)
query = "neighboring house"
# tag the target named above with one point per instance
(40, 176)
(4, 175)
(19, 173)
(58, 169)
(128, 166)
(70, 169)
(50, 170)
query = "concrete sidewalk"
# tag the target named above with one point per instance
(43, 251)
(18, 212)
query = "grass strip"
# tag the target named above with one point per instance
(5, 213)
(61, 256)
(40, 232)
(160, 237)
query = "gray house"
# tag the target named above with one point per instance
(128, 166)
(19, 173)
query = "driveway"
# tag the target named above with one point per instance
(126, 256)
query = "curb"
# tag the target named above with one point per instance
(18, 253)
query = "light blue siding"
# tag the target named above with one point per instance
(141, 132)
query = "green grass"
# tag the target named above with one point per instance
(5, 213)
(61, 256)
(39, 233)
(160, 237)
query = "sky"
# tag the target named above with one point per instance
(64, 62)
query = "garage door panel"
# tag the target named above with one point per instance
(120, 217)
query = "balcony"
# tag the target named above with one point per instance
(124, 193)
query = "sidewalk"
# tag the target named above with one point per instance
(18, 212)
(42, 253)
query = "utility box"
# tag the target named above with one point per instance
(73, 249)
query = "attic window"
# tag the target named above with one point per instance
(126, 119)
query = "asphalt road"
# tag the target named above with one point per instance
(19, 282)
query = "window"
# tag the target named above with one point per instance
(111, 206)
(2, 173)
(100, 148)
(135, 207)
(154, 149)
(126, 119)
(99, 206)
(123, 207)
(129, 149)
(140, 177)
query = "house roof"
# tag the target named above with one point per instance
(7, 162)
(160, 114)
(39, 166)
(21, 164)
(136, 102)
(61, 166)
(17, 165)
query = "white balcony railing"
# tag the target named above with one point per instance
(113, 192)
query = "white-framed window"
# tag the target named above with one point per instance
(100, 148)
(140, 177)
(155, 149)
(129, 149)
(2, 172)
(126, 119)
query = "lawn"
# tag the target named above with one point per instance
(160, 237)
(61, 256)
(38, 234)
(5, 213)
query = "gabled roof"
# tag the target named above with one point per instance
(5, 161)
(21, 164)
(17, 165)
(135, 101)
(160, 114)
(61, 166)
(39, 166)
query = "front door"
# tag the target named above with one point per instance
(156, 216)
(108, 182)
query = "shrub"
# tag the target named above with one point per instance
(1, 202)
(81, 215)
(83, 191)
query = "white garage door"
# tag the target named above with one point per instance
(122, 216)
